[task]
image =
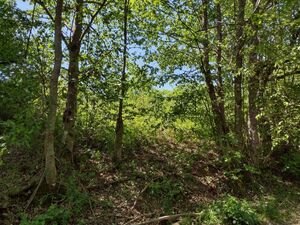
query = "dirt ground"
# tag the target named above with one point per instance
(132, 192)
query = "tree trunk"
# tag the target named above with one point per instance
(220, 88)
(73, 73)
(218, 112)
(117, 155)
(253, 87)
(50, 167)
(238, 109)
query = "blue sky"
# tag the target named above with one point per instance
(24, 5)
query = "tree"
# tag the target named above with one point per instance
(253, 88)
(119, 124)
(220, 83)
(238, 97)
(50, 167)
(215, 93)
(74, 47)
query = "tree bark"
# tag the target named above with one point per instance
(217, 106)
(50, 167)
(74, 47)
(220, 87)
(253, 87)
(238, 109)
(73, 73)
(117, 155)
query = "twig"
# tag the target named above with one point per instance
(139, 194)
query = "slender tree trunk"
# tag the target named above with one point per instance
(219, 116)
(73, 73)
(220, 88)
(50, 167)
(253, 87)
(117, 155)
(239, 119)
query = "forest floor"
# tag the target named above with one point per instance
(161, 179)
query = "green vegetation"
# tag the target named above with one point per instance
(149, 112)
(230, 211)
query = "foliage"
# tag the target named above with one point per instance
(22, 131)
(167, 191)
(169, 99)
(270, 210)
(230, 210)
(12, 33)
(55, 215)
(74, 200)
(281, 111)
(291, 164)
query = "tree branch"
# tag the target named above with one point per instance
(104, 3)
(7, 62)
(42, 4)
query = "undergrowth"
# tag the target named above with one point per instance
(74, 202)
(230, 210)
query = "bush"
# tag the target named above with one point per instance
(291, 164)
(269, 209)
(230, 211)
(74, 203)
(166, 191)
(75, 198)
(22, 131)
(55, 215)
(238, 212)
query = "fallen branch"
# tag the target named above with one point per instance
(142, 191)
(136, 218)
(35, 190)
(17, 191)
(168, 218)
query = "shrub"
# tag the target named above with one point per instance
(270, 210)
(230, 211)
(55, 215)
(291, 164)
(166, 191)
(74, 201)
